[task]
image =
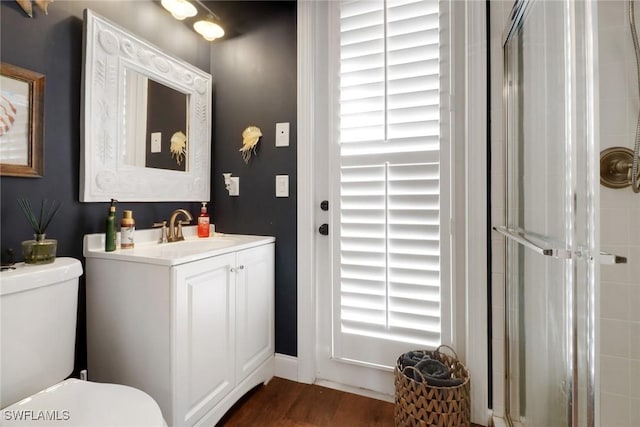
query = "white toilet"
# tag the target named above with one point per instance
(38, 309)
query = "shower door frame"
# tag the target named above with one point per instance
(584, 252)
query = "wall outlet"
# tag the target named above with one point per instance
(282, 185)
(156, 142)
(234, 187)
(282, 134)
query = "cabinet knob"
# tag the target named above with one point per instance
(324, 205)
(236, 269)
(324, 229)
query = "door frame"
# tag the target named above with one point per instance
(306, 213)
(469, 199)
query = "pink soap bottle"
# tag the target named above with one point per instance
(203, 221)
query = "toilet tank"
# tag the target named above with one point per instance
(38, 311)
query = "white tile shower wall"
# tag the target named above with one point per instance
(619, 224)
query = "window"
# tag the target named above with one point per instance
(393, 163)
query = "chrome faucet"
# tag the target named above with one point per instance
(174, 233)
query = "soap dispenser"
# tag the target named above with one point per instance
(110, 238)
(203, 221)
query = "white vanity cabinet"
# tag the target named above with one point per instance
(223, 332)
(195, 335)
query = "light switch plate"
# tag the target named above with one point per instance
(282, 134)
(234, 188)
(282, 185)
(156, 142)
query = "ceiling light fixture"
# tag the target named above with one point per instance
(209, 28)
(180, 9)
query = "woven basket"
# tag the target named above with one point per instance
(420, 404)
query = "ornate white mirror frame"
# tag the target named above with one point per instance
(109, 52)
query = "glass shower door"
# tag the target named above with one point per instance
(550, 199)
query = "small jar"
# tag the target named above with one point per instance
(40, 250)
(127, 230)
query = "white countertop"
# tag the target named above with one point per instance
(148, 250)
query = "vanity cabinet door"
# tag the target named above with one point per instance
(204, 322)
(255, 308)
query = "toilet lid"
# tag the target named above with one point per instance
(84, 403)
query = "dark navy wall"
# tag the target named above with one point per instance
(52, 45)
(255, 85)
(165, 120)
(254, 77)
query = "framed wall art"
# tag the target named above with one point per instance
(21, 122)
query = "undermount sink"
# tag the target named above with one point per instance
(148, 250)
(185, 247)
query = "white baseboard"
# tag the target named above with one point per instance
(355, 390)
(286, 367)
(499, 422)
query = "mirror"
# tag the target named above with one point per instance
(146, 125)
(155, 124)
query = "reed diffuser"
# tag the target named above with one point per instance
(40, 250)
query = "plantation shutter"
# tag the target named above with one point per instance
(390, 172)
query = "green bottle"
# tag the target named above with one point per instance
(110, 238)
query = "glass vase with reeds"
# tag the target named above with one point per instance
(40, 250)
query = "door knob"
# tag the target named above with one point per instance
(324, 229)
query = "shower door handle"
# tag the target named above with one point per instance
(522, 238)
(610, 259)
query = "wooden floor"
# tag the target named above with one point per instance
(287, 403)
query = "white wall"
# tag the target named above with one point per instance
(619, 224)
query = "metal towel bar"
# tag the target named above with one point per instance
(606, 258)
(524, 239)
